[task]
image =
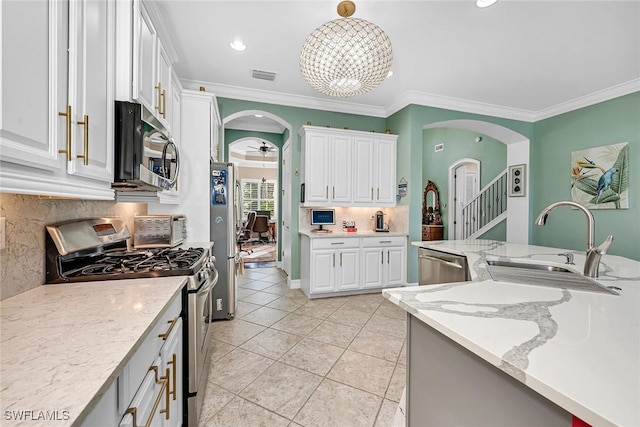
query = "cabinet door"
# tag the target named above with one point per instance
(348, 269)
(364, 162)
(316, 158)
(341, 167)
(151, 391)
(373, 262)
(144, 64)
(386, 173)
(163, 85)
(323, 264)
(172, 359)
(34, 82)
(91, 88)
(395, 266)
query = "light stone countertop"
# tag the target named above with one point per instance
(341, 234)
(63, 345)
(579, 349)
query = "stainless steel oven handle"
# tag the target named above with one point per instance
(210, 285)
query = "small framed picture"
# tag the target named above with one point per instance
(517, 182)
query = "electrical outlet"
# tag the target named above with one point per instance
(3, 234)
(219, 304)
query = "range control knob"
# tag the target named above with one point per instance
(203, 275)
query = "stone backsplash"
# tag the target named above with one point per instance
(22, 261)
(397, 218)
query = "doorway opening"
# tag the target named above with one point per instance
(464, 185)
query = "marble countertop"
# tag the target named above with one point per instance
(63, 345)
(356, 234)
(579, 349)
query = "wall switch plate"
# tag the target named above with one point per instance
(3, 234)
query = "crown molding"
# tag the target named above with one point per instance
(449, 103)
(585, 101)
(415, 98)
(269, 97)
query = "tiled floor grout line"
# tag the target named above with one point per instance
(287, 295)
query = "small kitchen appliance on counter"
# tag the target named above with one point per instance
(380, 224)
(159, 231)
(96, 250)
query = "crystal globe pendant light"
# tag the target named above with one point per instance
(346, 56)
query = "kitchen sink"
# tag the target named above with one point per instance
(543, 275)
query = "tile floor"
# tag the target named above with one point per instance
(286, 360)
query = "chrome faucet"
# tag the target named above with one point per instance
(593, 253)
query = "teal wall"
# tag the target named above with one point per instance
(610, 122)
(408, 123)
(459, 144)
(297, 117)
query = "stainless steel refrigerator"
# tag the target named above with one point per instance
(223, 216)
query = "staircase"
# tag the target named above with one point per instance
(487, 209)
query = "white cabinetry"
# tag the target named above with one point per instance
(149, 389)
(200, 124)
(330, 265)
(57, 115)
(348, 168)
(384, 262)
(334, 265)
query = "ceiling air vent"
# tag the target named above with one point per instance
(263, 75)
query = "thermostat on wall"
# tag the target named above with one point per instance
(439, 147)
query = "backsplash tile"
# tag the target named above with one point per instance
(22, 261)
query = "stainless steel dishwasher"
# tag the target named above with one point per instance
(441, 267)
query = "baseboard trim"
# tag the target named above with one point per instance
(293, 284)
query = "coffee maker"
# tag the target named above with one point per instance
(380, 225)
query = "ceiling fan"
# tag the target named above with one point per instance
(264, 149)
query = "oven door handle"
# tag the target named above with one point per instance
(210, 285)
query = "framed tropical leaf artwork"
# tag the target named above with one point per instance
(600, 177)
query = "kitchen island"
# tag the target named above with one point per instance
(560, 352)
(64, 345)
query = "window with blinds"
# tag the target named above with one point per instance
(258, 196)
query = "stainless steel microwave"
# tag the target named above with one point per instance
(146, 158)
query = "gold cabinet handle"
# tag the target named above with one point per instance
(85, 155)
(174, 364)
(167, 401)
(163, 391)
(166, 334)
(159, 89)
(67, 114)
(163, 96)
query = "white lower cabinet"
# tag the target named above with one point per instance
(334, 265)
(148, 392)
(385, 261)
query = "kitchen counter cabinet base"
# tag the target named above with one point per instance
(449, 385)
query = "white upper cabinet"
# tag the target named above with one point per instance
(59, 73)
(91, 88)
(348, 168)
(144, 59)
(163, 86)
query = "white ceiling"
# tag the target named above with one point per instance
(516, 59)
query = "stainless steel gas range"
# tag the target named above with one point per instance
(96, 249)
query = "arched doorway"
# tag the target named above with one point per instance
(518, 222)
(260, 124)
(464, 184)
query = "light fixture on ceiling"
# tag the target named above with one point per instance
(485, 3)
(237, 45)
(346, 56)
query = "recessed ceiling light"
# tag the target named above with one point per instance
(237, 45)
(485, 3)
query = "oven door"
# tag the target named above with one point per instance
(199, 312)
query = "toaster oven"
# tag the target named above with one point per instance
(159, 231)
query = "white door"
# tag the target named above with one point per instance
(285, 214)
(466, 188)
